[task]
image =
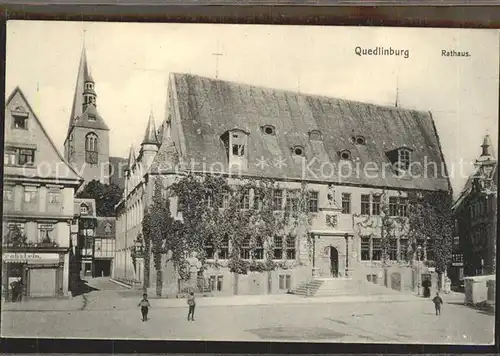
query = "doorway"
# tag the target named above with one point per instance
(334, 262)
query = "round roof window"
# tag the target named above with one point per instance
(345, 155)
(298, 151)
(360, 140)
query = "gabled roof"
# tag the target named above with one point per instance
(202, 109)
(89, 203)
(46, 149)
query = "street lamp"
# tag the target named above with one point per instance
(419, 250)
(138, 248)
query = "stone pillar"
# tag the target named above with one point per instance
(65, 276)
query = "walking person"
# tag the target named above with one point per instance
(192, 305)
(144, 304)
(437, 303)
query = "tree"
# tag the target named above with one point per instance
(106, 196)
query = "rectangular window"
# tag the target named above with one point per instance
(224, 201)
(212, 283)
(20, 122)
(404, 159)
(208, 247)
(258, 252)
(429, 251)
(290, 248)
(245, 249)
(54, 197)
(393, 250)
(258, 199)
(376, 205)
(393, 206)
(238, 150)
(8, 194)
(278, 248)
(46, 232)
(403, 249)
(26, 157)
(245, 199)
(19, 226)
(365, 204)
(277, 199)
(403, 207)
(288, 282)
(224, 249)
(313, 202)
(10, 156)
(377, 249)
(346, 203)
(365, 249)
(208, 200)
(30, 195)
(292, 200)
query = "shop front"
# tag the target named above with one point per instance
(33, 274)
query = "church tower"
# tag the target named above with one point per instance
(86, 146)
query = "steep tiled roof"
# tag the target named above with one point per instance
(203, 109)
(91, 119)
(106, 227)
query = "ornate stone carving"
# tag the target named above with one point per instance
(331, 220)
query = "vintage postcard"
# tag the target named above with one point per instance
(250, 183)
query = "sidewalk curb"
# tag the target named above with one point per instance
(120, 283)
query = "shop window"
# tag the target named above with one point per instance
(346, 203)
(365, 249)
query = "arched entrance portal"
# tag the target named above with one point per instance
(334, 262)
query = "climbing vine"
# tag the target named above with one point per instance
(213, 210)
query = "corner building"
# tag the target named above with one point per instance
(300, 138)
(37, 206)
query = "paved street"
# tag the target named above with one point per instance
(112, 312)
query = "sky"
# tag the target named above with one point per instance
(130, 63)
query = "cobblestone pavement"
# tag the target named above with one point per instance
(113, 313)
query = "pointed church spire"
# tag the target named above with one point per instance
(487, 147)
(84, 90)
(150, 136)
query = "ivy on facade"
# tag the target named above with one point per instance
(217, 213)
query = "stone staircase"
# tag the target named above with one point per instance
(322, 287)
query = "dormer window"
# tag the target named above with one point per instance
(345, 154)
(400, 158)
(269, 130)
(298, 151)
(84, 209)
(404, 158)
(315, 135)
(20, 117)
(91, 117)
(235, 142)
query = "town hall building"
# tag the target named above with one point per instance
(292, 138)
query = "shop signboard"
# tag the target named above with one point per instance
(29, 257)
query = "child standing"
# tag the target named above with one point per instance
(144, 304)
(437, 303)
(192, 304)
